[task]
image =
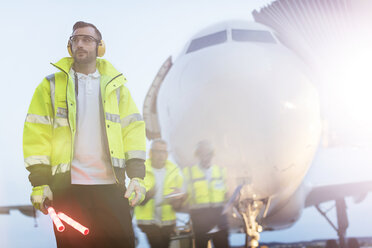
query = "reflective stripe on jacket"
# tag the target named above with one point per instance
(204, 194)
(145, 214)
(50, 125)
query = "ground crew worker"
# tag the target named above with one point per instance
(82, 133)
(206, 190)
(156, 215)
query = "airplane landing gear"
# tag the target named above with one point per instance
(342, 220)
(250, 209)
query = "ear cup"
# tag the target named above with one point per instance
(69, 48)
(101, 49)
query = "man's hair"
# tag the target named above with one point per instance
(81, 24)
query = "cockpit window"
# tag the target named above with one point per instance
(208, 40)
(252, 36)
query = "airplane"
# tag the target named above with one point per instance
(237, 86)
(257, 83)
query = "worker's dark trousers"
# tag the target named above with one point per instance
(101, 208)
(206, 219)
(158, 237)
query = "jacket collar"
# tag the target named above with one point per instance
(104, 67)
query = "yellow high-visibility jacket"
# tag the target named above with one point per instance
(50, 126)
(145, 214)
(204, 194)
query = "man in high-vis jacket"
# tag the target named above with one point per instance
(156, 214)
(82, 133)
(206, 188)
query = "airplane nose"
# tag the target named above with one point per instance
(261, 113)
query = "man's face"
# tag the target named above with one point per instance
(205, 156)
(83, 46)
(159, 155)
(206, 159)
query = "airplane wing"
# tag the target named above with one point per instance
(27, 210)
(322, 194)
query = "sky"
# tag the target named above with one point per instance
(139, 36)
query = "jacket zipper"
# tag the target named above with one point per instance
(68, 119)
(103, 102)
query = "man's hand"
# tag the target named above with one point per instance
(136, 191)
(176, 198)
(177, 193)
(39, 195)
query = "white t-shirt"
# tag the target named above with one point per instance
(207, 172)
(158, 198)
(91, 163)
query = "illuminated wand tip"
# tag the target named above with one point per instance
(57, 222)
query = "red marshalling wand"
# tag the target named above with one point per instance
(61, 216)
(57, 222)
(84, 230)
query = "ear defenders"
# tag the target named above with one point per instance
(101, 48)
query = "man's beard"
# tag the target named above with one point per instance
(85, 60)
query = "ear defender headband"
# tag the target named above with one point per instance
(101, 48)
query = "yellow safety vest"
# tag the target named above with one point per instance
(173, 179)
(204, 194)
(50, 126)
